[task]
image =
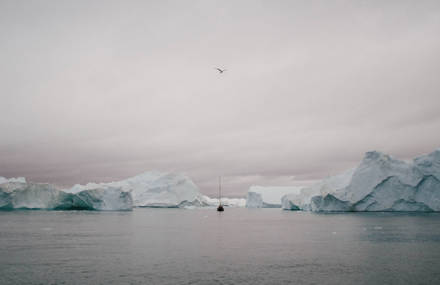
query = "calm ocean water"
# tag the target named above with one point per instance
(239, 246)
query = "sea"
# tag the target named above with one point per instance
(203, 246)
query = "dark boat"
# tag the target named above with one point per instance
(220, 206)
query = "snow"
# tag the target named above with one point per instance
(155, 189)
(19, 195)
(268, 196)
(379, 183)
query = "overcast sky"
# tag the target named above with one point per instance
(103, 90)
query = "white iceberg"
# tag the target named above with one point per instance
(13, 179)
(379, 183)
(293, 202)
(18, 195)
(228, 202)
(268, 196)
(150, 189)
(302, 201)
(155, 189)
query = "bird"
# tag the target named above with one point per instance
(220, 70)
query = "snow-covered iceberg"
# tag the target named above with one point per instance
(155, 189)
(268, 197)
(379, 183)
(20, 195)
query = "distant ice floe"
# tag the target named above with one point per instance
(228, 202)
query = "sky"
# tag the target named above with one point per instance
(104, 90)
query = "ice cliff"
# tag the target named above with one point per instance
(379, 183)
(268, 196)
(22, 195)
(155, 189)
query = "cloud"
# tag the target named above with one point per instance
(101, 91)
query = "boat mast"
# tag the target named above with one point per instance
(220, 207)
(220, 190)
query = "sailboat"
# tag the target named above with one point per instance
(220, 206)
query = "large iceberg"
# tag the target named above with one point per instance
(155, 189)
(268, 196)
(379, 183)
(302, 200)
(21, 195)
(150, 189)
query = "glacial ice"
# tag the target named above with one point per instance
(268, 196)
(14, 179)
(228, 202)
(150, 189)
(379, 183)
(19, 195)
(155, 189)
(291, 202)
(303, 200)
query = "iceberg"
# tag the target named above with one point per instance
(19, 195)
(228, 202)
(155, 189)
(17, 179)
(268, 196)
(303, 199)
(379, 183)
(292, 202)
(150, 189)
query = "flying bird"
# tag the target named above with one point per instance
(220, 70)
